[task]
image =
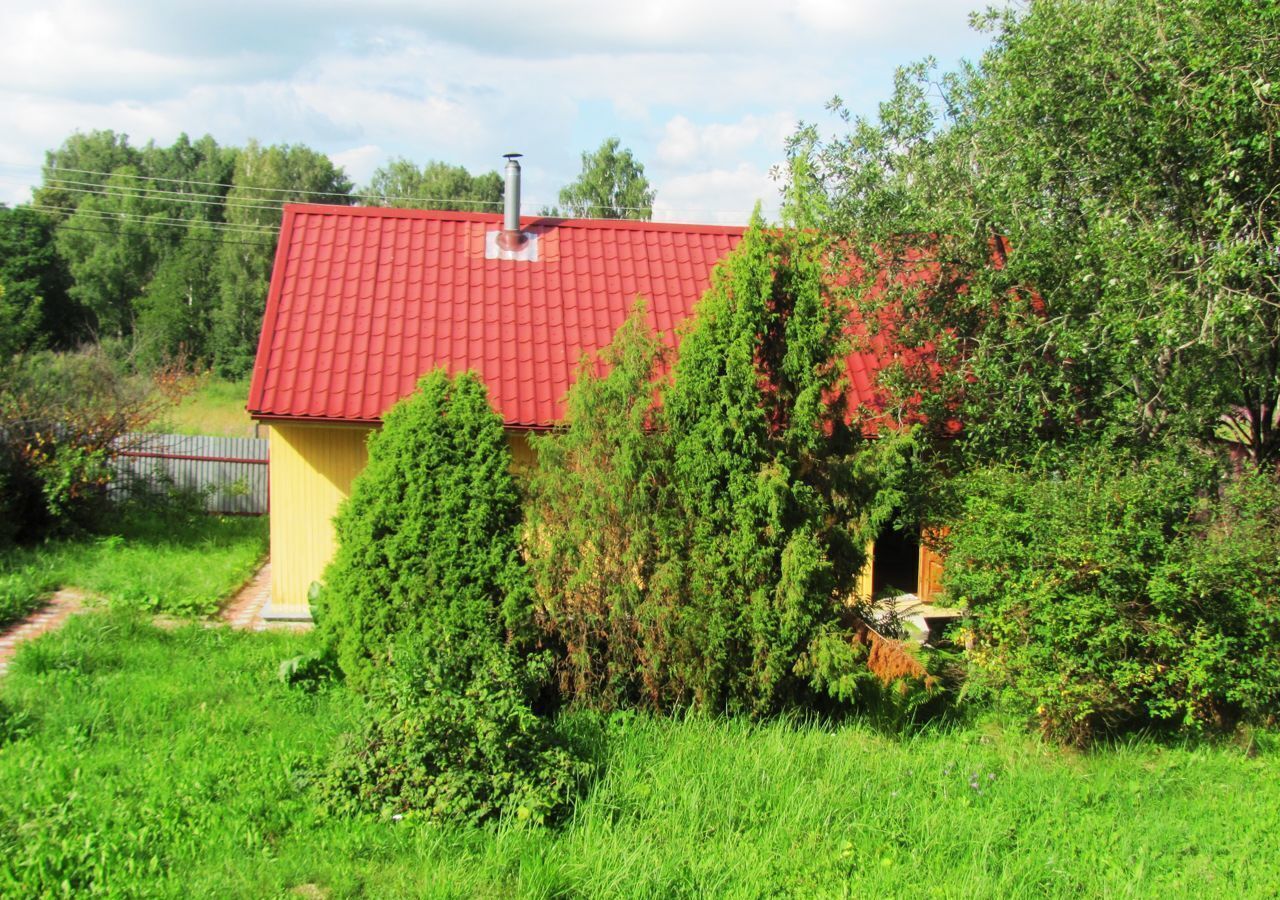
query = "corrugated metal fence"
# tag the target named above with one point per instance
(231, 473)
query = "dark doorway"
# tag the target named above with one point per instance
(897, 564)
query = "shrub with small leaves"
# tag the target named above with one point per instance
(62, 419)
(1122, 594)
(452, 737)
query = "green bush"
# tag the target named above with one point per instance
(596, 509)
(452, 737)
(1121, 594)
(427, 541)
(427, 607)
(688, 551)
(61, 418)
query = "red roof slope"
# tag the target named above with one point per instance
(364, 301)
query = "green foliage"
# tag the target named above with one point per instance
(596, 518)
(767, 539)
(687, 552)
(612, 185)
(1116, 595)
(427, 541)
(280, 172)
(61, 416)
(35, 310)
(838, 668)
(427, 607)
(175, 308)
(309, 671)
(437, 185)
(111, 250)
(1124, 151)
(453, 738)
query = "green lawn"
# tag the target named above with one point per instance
(176, 764)
(162, 563)
(216, 407)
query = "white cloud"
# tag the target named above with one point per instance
(722, 196)
(703, 91)
(359, 162)
(684, 142)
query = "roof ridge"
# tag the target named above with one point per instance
(454, 215)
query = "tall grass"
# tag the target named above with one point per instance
(157, 561)
(176, 764)
(216, 407)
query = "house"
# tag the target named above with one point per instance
(364, 301)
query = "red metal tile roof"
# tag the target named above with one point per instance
(364, 301)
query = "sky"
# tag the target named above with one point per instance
(704, 92)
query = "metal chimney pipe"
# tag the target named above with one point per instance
(512, 196)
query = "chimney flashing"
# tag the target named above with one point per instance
(496, 247)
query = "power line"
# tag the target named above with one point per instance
(332, 194)
(89, 187)
(158, 220)
(190, 224)
(335, 195)
(191, 237)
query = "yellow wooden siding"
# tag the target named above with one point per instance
(521, 453)
(862, 585)
(311, 470)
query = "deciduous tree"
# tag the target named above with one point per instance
(1095, 202)
(612, 186)
(436, 185)
(264, 178)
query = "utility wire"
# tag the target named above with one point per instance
(264, 230)
(89, 187)
(190, 237)
(159, 220)
(333, 194)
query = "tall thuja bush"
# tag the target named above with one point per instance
(595, 512)
(427, 605)
(427, 542)
(766, 541)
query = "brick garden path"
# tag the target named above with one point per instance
(50, 616)
(242, 612)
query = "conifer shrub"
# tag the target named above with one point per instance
(596, 522)
(771, 519)
(1121, 594)
(695, 535)
(427, 542)
(427, 607)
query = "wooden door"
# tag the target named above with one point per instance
(929, 585)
